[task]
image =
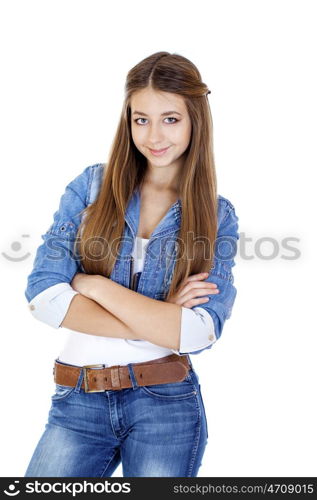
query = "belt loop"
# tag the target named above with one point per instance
(79, 381)
(189, 361)
(132, 377)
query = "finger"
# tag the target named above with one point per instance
(199, 276)
(194, 302)
(197, 284)
(198, 292)
(192, 278)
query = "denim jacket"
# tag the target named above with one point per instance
(55, 261)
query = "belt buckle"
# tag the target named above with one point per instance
(86, 378)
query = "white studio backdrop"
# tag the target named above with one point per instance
(63, 68)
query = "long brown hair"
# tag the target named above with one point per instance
(104, 219)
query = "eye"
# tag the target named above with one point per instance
(172, 118)
(167, 118)
(136, 121)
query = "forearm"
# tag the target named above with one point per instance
(152, 320)
(84, 315)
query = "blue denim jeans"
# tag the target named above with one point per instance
(158, 430)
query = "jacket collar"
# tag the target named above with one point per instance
(171, 219)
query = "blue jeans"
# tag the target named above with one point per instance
(158, 430)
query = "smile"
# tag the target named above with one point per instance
(158, 152)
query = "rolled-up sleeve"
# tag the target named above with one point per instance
(51, 305)
(197, 331)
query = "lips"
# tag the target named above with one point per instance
(158, 151)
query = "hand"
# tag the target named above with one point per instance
(192, 288)
(84, 283)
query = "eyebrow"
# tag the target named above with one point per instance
(163, 114)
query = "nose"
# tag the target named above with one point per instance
(155, 137)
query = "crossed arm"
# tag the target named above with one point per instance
(129, 314)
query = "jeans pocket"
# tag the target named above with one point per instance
(172, 391)
(62, 392)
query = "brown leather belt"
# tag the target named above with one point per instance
(98, 378)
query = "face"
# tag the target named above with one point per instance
(160, 120)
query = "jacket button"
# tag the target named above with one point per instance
(32, 307)
(210, 337)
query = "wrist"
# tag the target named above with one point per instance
(96, 286)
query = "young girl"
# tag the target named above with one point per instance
(137, 266)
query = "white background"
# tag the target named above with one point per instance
(63, 67)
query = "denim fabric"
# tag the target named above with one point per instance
(158, 430)
(55, 261)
